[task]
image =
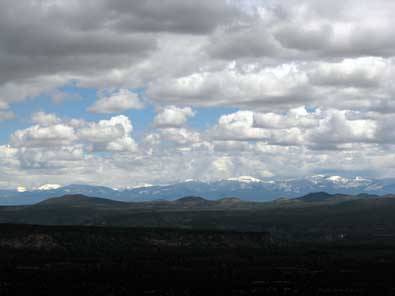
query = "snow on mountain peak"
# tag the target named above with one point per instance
(361, 179)
(144, 185)
(49, 187)
(337, 179)
(340, 181)
(319, 179)
(21, 189)
(245, 179)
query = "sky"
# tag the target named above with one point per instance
(123, 93)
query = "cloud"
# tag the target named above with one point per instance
(310, 84)
(172, 116)
(180, 136)
(223, 164)
(44, 136)
(243, 41)
(170, 121)
(240, 126)
(336, 128)
(362, 84)
(297, 117)
(5, 113)
(45, 119)
(54, 143)
(304, 39)
(109, 135)
(278, 86)
(50, 161)
(309, 30)
(82, 41)
(171, 15)
(358, 73)
(317, 130)
(118, 102)
(276, 56)
(291, 144)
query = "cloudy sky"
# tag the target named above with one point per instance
(122, 93)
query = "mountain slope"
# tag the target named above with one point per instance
(193, 201)
(78, 200)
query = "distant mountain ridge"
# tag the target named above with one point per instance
(244, 187)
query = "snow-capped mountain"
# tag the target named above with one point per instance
(245, 179)
(243, 187)
(49, 187)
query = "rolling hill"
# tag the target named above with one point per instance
(317, 215)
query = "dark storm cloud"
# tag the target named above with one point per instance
(251, 41)
(310, 30)
(89, 37)
(34, 43)
(190, 17)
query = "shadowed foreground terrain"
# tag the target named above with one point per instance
(317, 216)
(64, 260)
(318, 244)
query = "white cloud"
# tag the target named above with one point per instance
(295, 143)
(45, 119)
(297, 117)
(118, 102)
(222, 166)
(267, 88)
(172, 116)
(58, 146)
(238, 126)
(357, 84)
(180, 136)
(360, 73)
(109, 135)
(336, 128)
(5, 113)
(44, 136)
(328, 129)
(49, 159)
(312, 81)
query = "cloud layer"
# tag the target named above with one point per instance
(310, 83)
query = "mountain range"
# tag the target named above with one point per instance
(245, 188)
